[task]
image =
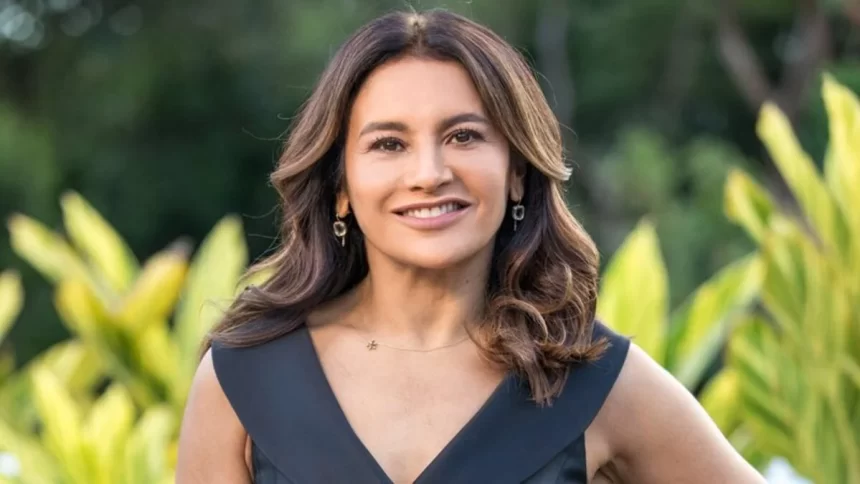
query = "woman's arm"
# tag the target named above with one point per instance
(212, 441)
(658, 432)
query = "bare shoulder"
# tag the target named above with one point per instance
(656, 431)
(212, 441)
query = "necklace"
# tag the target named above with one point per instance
(373, 344)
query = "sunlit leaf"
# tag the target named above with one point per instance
(700, 326)
(843, 167)
(106, 431)
(748, 204)
(45, 250)
(155, 292)
(799, 171)
(633, 294)
(212, 279)
(145, 459)
(11, 300)
(101, 244)
(61, 421)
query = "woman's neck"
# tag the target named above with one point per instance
(420, 308)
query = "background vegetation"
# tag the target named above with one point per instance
(685, 123)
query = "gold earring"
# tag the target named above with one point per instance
(518, 212)
(339, 227)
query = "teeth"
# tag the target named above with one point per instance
(434, 211)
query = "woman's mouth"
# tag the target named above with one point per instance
(430, 212)
(433, 217)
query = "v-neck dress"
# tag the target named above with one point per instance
(300, 434)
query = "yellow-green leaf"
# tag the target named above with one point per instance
(155, 292)
(146, 454)
(61, 422)
(31, 458)
(633, 293)
(721, 400)
(799, 172)
(747, 204)
(98, 240)
(212, 279)
(75, 364)
(46, 251)
(700, 326)
(106, 431)
(157, 354)
(843, 166)
(11, 300)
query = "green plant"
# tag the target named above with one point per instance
(794, 366)
(61, 426)
(686, 341)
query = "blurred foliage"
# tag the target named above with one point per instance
(793, 369)
(167, 115)
(105, 405)
(686, 341)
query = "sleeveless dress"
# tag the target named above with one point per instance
(300, 434)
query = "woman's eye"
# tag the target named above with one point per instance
(387, 144)
(464, 136)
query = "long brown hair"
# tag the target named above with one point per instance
(542, 292)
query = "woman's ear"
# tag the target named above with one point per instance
(341, 205)
(517, 179)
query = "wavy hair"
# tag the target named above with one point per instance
(542, 292)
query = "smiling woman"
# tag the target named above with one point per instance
(431, 314)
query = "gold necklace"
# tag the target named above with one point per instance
(373, 344)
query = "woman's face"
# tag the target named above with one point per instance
(427, 176)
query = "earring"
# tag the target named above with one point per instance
(518, 212)
(339, 227)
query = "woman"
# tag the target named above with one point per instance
(431, 314)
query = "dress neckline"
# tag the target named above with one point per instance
(438, 462)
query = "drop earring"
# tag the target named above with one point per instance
(339, 227)
(518, 212)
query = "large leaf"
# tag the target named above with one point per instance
(105, 433)
(145, 459)
(212, 279)
(633, 292)
(27, 454)
(155, 292)
(75, 364)
(799, 172)
(11, 300)
(748, 204)
(61, 421)
(101, 244)
(701, 324)
(84, 314)
(842, 170)
(46, 251)
(720, 399)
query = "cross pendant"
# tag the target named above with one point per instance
(372, 345)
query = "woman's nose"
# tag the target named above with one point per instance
(426, 170)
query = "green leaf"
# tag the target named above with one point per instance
(11, 300)
(61, 422)
(748, 204)
(700, 326)
(101, 244)
(843, 166)
(146, 453)
(32, 458)
(106, 431)
(46, 251)
(799, 172)
(633, 294)
(211, 284)
(720, 399)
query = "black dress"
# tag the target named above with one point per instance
(300, 434)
